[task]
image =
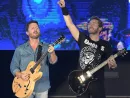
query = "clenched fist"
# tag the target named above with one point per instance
(61, 3)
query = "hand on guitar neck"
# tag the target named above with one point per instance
(51, 49)
(111, 62)
(23, 76)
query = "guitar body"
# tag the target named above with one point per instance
(74, 83)
(79, 80)
(23, 88)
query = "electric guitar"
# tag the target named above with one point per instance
(79, 80)
(23, 88)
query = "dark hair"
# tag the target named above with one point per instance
(98, 19)
(28, 23)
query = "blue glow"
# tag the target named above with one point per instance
(45, 12)
(37, 1)
(129, 15)
(51, 22)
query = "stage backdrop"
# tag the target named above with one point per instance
(14, 14)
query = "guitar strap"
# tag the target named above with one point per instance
(39, 53)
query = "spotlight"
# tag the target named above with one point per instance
(37, 1)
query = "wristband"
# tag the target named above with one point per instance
(65, 11)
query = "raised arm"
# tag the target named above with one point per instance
(74, 31)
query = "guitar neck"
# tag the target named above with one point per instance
(100, 66)
(41, 58)
(45, 54)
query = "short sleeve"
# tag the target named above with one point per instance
(108, 49)
(81, 39)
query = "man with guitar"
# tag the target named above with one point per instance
(92, 52)
(30, 51)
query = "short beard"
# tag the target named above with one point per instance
(35, 37)
(94, 32)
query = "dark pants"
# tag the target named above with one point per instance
(96, 90)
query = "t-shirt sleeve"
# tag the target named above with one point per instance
(108, 49)
(81, 39)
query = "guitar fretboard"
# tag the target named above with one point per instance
(101, 65)
(45, 54)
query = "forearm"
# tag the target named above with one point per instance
(15, 63)
(73, 29)
(68, 20)
(53, 57)
(14, 69)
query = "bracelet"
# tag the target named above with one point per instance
(65, 11)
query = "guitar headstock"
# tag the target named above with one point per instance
(122, 52)
(59, 40)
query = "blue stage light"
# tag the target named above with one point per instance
(128, 14)
(37, 1)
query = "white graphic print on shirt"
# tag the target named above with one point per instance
(88, 55)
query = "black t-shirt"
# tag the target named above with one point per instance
(92, 53)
